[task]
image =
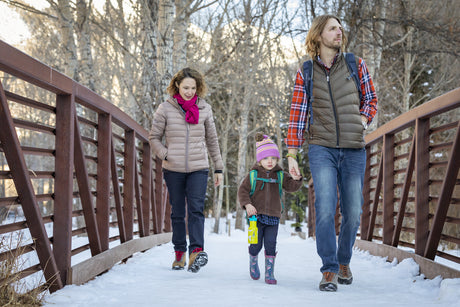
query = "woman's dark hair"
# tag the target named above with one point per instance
(187, 72)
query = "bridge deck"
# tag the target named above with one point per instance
(147, 280)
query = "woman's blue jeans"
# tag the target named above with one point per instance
(187, 190)
(333, 168)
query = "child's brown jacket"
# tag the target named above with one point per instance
(266, 200)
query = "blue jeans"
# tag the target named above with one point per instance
(267, 236)
(331, 168)
(190, 189)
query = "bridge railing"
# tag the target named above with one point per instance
(79, 169)
(411, 185)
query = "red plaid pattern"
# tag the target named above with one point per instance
(298, 115)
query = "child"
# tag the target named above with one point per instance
(265, 202)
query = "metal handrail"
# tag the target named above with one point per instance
(117, 176)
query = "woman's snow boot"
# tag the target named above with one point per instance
(179, 260)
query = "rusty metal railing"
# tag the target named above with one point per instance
(76, 165)
(411, 185)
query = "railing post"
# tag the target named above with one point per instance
(137, 198)
(404, 195)
(117, 194)
(375, 203)
(422, 177)
(128, 184)
(388, 188)
(63, 189)
(444, 197)
(84, 189)
(146, 186)
(165, 209)
(157, 206)
(13, 154)
(365, 216)
(104, 139)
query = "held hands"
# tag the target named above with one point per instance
(218, 179)
(364, 122)
(294, 168)
(250, 210)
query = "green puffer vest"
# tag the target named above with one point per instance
(336, 119)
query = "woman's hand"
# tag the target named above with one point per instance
(218, 179)
(250, 210)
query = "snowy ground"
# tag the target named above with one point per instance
(147, 280)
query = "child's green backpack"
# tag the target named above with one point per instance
(253, 178)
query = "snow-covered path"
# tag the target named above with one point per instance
(147, 280)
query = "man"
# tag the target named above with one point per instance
(337, 118)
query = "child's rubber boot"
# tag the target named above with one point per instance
(254, 267)
(269, 270)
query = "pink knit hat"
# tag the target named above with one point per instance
(265, 147)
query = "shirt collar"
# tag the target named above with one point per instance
(333, 61)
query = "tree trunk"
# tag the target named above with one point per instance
(224, 143)
(373, 31)
(409, 59)
(86, 69)
(180, 35)
(66, 28)
(165, 47)
(220, 189)
(128, 66)
(147, 100)
(242, 154)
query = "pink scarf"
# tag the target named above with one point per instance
(192, 114)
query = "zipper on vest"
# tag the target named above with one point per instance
(333, 108)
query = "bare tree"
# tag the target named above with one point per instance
(148, 10)
(165, 47)
(86, 68)
(66, 27)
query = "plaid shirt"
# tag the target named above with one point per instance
(268, 220)
(298, 114)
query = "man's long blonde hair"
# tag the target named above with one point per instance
(317, 27)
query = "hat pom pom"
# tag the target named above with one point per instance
(259, 137)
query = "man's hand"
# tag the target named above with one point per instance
(364, 121)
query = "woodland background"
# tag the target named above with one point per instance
(248, 51)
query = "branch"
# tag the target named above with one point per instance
(27, 8)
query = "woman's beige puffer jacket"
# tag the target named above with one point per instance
(186, 146)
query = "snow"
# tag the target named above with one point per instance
(147, 279)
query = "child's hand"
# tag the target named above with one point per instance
(294, 169)
(297, 177)
(250, 210)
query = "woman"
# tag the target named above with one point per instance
(186, 122)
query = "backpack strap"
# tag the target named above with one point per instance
(307, 72)
(352, 64)
(252, 180)
(280, 174)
